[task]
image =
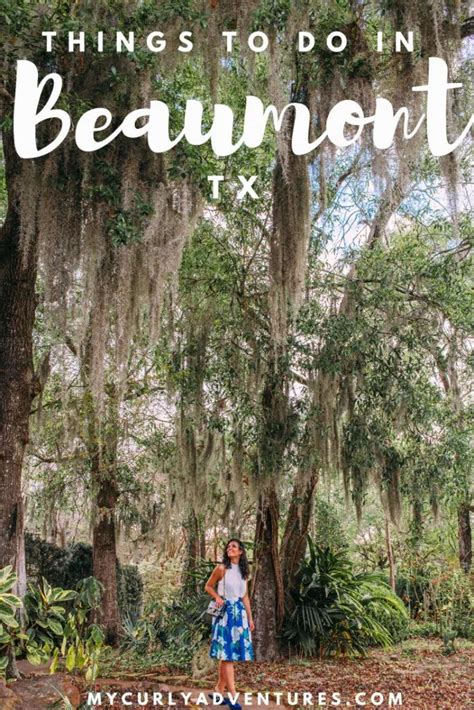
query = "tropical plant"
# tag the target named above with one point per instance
(174, 630)
(335, 611)
(80, 648)
(45, 619)
(146, 633)
(58, 626)
(10, 633)
(68, 566)
(82, 641)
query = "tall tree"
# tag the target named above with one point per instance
(116, 216)
(18, 382)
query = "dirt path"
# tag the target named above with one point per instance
(417, 670)
(39, 690)
(415, 673)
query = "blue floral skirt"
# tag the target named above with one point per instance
(231, 636)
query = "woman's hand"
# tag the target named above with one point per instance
(217, 574)
(248, 611)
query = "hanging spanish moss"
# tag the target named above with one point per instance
(200, 452)
(111, 229)
(235, 477)
(290, 239)
(437, 29)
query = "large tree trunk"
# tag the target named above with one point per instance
(195, 551)
(465, 537)
(17, 380)
(104, 554)
(267, 588)
(293, 545)
(275, 433)
(102, 443)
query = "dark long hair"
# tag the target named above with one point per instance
(243, 561)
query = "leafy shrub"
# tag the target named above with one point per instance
(60, 566)
(56, 625)
(53, 631)
(423, 629)
(445, 601)
(335, 611)
(174, 630)
(413, 587)
(45, 619)
(397, 625)
(453, 604)
(159, 577)
(66, 567)
(147, 633)
(129, 592)
(10, 633)
(328, 525)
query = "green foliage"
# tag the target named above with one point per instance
(10, 632)
(329, 531)
(55, 625)
(159, 576)
(54, 632)
(146, 633)
(129, 591)
(61, 566)
(128, 225)
(424, 629)
(66, 567)
(45, 619)
(448, 637)
(171, 631)
(272, 13)
(434, 589)
(335, 611)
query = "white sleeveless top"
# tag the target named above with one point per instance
(234, 587)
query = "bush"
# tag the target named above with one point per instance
(413, 589)
(424, 629)
(159, 578)
(335, 611)
(445, 601)
(453, 604)
(173, 631)
(145, 634)
(66, 567)
(44, 559)
(397, 625)
(10, 633)
(51, 630)
(45, 619)
(129, 592)
(328, 525)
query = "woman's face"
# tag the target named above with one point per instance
(233, 550)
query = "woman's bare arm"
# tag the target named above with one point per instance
(246, 602)
(217, 574)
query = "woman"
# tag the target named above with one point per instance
(231, 632)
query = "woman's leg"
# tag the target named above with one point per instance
(228, 675)
(221, 684)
